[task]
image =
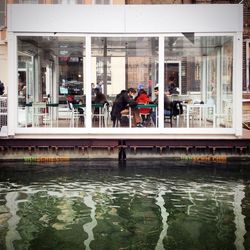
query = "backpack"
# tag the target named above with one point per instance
(177, 108)
(124, 122)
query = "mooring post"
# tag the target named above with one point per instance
(122, 150)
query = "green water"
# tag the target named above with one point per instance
(144, 205)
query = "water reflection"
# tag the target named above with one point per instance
(88, 227)
(142, 206)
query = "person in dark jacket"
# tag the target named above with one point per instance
(115, 111)
(121, 105)
(172, 87)
(99, 96)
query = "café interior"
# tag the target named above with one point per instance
(51, 68)
(55, 68)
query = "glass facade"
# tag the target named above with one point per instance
(120, 63)
(202, 79)
(50, 73)
(197, 81)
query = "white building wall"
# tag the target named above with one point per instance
(125, 18)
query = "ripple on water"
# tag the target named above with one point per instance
(152, 212)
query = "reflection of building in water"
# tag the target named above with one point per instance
(67, 214)
(191, 213)
(240, 231)
(207, 211)
(12, 233)
(164, 214)
(88, 227)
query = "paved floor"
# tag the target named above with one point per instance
(246, 133)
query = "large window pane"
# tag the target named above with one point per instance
(122, 63)
(50, 81)
(201, 81)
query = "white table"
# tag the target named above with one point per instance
(202, 108)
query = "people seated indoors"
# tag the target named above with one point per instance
(121, 105)
(167, 104)
(99, 98)
(71, 99)
(143, 98)
(172, 87)
(115, 111)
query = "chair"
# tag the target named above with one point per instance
(146, 119)
(102, 114)
(169, 118)
(177, 110)
(39, 114)
(75, 115)
(145, 114)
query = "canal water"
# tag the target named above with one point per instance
(140, 205)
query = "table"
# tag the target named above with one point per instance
(52, 111)
(141, 105)
(103, 111)
(201, 112)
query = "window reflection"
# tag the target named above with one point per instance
(197, 80)
(50, 73)
(203, 78)
(120, 63)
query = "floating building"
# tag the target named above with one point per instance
(59, 54)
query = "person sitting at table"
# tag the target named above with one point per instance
(172, 87)
(99, 98)
(71, 101)
(167, 104)
(143, 98)
(123, 102)
(115, 111)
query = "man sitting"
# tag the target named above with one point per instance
(121, 105)
(167, 104)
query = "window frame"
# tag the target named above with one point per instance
(118, 132)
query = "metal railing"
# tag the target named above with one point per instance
(3, 111)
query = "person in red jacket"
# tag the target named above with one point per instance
(143, 98)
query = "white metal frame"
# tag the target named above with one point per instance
(247, 41)
(88, 130)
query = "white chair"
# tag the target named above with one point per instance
(102, 115)
(39, 114)
(75, 115)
